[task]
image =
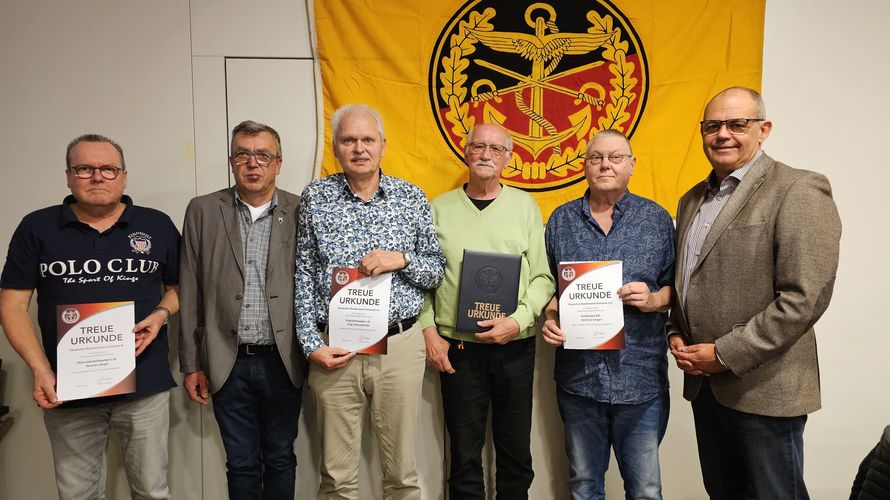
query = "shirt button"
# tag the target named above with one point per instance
(247, 306)
(719, 198)
(238, 296)
(250, 261)
(247, 328)
(697, 254)
(248, 283)
(706, 227)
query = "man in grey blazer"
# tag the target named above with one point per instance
(757, 252)
(237, 316)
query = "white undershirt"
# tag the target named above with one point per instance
(256, 212)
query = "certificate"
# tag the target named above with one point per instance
(96, 350)
(590, 312)
(358, 314)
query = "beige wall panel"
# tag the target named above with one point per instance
(280, 93)
(265, 28)
(67, 68)
(211, 128)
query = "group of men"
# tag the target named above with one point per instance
(745, 276)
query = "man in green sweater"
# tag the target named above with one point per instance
(494, 367)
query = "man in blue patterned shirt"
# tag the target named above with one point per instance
(367, 220)
(615, 398)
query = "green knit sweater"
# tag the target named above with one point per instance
(510, 224)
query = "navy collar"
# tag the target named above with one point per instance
(68, 216)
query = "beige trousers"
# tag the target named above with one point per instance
(389, 387)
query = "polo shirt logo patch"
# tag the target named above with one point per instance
(140, 242)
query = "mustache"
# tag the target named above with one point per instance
(484, 163)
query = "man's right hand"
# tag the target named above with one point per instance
(331, 358)
(437, 350)
(196, 386)
(45, 389)
(677, 344)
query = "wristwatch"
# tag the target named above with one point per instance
(164, 310)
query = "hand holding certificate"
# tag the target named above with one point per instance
(358, 314)
(96, 350)
(590, 312)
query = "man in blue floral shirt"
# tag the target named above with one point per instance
(367, 220)
(615, 398)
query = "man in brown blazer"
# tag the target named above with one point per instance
(237, 316)
(757, 252)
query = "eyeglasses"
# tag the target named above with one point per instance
(496, 150)
(262, 158)
(616, 158)
(735, 125)
(109, 172)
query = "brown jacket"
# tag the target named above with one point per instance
(764, 277)
(212, 282)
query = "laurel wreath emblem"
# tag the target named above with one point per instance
(453, 90)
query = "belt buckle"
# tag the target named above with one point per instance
(394, 329)
(247, 349)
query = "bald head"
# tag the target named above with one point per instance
(759, 106)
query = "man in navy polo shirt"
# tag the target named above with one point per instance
(97, 247)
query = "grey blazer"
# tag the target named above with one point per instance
(765, 275)
(211, 281)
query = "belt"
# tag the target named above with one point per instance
(254, 349)
(394, 328)
(400, 326)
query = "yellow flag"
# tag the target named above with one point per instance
(553, 73)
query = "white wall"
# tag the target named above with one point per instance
(825, 79)
(154, 75)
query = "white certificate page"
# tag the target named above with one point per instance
(358, 315)
(96, 350)
(590, 312)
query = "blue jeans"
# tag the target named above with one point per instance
(634, 430)
(745, 456)
(257, 410)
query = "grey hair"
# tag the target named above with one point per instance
(508, 142)
(93, 138)
(251, 128)
(608, 133)
(353, 110)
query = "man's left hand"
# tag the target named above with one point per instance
(503, 330)
(699, 359)
(377, 262)
(147, 330)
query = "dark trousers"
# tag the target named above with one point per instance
(745, 456)
(257, 410)
(500, 376)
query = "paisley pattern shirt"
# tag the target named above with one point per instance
(337, 229)
(642, 237)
